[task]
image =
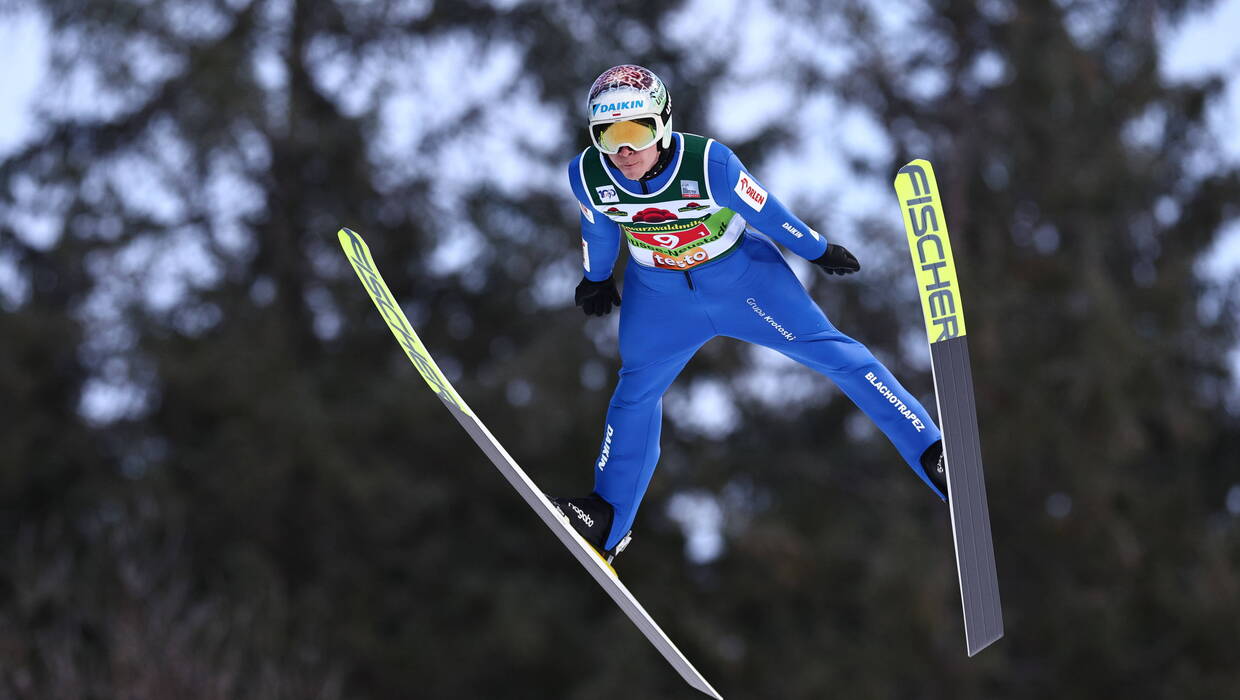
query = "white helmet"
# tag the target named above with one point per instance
(629, 106)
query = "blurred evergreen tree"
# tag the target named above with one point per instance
(221, 478)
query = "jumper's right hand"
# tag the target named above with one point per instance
(597, 298)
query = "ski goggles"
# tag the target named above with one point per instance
(637, 134)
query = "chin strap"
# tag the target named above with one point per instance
(665, 157)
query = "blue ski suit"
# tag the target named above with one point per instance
(692, 278)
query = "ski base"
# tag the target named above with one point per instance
(966, 486)
(943, 312)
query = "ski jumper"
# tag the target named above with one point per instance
(697, 270)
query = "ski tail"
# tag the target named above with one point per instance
(943, 312)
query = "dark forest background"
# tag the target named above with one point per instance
(220, 477)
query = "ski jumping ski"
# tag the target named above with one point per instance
(941, 306)
(364, 265)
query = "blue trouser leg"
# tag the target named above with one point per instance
(753, 296)
(660, 329)
(768, 306)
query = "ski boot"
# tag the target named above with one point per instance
(591, 517)
(932, 464)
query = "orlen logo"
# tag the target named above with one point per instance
(617, 106)
(751, 192)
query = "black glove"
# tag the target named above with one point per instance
(836, 260)
(597, 298)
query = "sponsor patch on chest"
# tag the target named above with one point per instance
(672, 239)
(654, 215)
(750, 192)
(680, 262)
(607, 193)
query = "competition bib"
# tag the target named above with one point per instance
(678, 227)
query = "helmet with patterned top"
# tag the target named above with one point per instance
(629, 106)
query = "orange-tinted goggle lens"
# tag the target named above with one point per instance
(634, 133)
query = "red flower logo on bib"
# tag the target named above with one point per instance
(653, 215)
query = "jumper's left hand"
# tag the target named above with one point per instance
(836, 260)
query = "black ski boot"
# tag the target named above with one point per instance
(591, 517)
(932, 463)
